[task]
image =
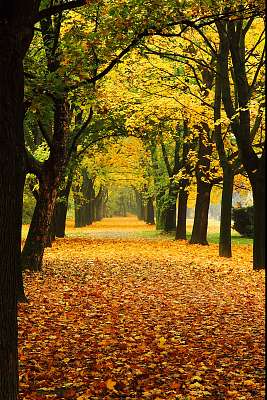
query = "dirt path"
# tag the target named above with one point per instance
(132, 318)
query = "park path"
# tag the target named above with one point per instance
(131, 318)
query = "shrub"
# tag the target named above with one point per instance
(243, 221)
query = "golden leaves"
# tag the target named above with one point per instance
(131, 317)
(110, 384)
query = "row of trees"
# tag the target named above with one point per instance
(63, 56)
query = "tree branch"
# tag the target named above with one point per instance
(44, 133)
(48, 12)
(80, 131)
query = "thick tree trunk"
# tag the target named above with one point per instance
(150, 217)
(37, 238)
(50, 177)
(51, 237)
(79, 213)
(200, 226)
(11, 192)
(259, 218)
(160, 216)
(225, 247)
(181, 217)
(254, 164)
(99, 204)
(11, 188)
(170, 210)
(139, 205)
(61, 208)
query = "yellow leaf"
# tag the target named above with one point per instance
(162, 342)
(250, 382)
(110, 384)
(196, 378)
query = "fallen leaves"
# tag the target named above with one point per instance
(142, 319)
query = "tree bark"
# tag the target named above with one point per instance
(61, 207)
(150, 217)
(259, 243)
(200, 227)
(225, 246)
(181, 217)
(139, 205)
(15, 37)
(239, 114)
(204, 186)
(170, 210)
(51, 174)
(38, 235)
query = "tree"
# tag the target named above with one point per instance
(251, 147)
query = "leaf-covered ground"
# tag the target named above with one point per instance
(131, 318)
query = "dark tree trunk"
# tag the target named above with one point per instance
(61, 208)
(38, 235)
(77, 213)
(150, 217)
(15, 37)
(139, 205)
(225, 247)
(51, 237)
(181, 217)
(200, 227)
(99, 204)
(60, 212)
(50, 176)
(170, 210)
(160, 216)
(90, 206)
(233, 37)
(259, 217)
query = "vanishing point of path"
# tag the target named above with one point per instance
(119, 314)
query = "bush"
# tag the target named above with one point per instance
(243, 221)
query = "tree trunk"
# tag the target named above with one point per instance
(37, 238)
(50, 177)
(253, 162)
(99, 204)
(200, 227)
(170, 210)
(139, 205)
(181, 217)
(150, 218)
(51, 237)
(61, 207)
(225, 248)
(160, 216)
(259, 244)
(13, 43)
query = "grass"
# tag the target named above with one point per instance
(141, 230)
(236, 239)
(213, 237)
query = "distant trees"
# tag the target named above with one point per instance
(198, 71)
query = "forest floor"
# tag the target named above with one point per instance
(118, 315)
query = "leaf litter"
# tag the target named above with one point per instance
(140, 319)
